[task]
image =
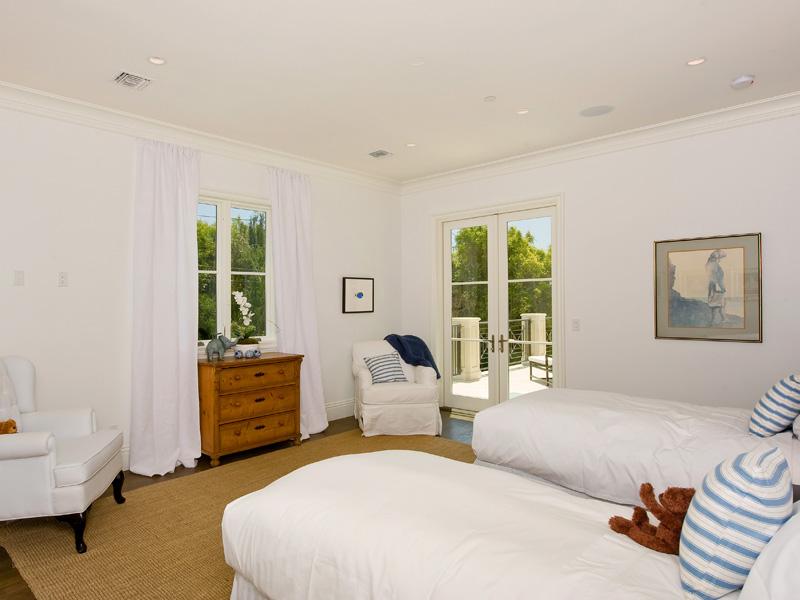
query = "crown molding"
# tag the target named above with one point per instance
(36, 102)
(787, 105)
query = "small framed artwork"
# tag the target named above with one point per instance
(709, 288)
(358, 295)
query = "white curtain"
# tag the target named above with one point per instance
(165, 429)
(295, 305)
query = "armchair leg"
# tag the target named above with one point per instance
(78, 523)
(117, 487)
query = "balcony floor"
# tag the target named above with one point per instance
(519, 383)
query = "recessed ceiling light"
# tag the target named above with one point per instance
(411, 145)
(696, 61)
(489, 98)
(743, 81)
(523, 111)
(156, 60)
(417, 62)
(597, 111)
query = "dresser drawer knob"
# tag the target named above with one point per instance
(259, 427)
(280, 423)
(237, 432)
(259, 399)
(237, 404)
(259, 374)
(281, 397)
(237, 377)
(281, 372)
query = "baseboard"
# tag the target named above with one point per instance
(340, 409)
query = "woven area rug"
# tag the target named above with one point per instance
(165, 541)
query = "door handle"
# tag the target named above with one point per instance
(491, 343)
(502, 341)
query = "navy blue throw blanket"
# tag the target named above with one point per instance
(413, 350)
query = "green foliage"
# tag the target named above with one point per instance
(525, 261)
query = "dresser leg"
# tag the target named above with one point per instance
(215, 461)
(296, 440)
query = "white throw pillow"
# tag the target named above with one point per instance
(775, 574)
(8, 397)
(741, 504)
(386, 368)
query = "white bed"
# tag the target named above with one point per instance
(605, 444)
(400, 525)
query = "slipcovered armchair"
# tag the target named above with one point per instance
(407, 408)
(58, 463)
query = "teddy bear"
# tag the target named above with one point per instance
(9, 426)
(670, 510)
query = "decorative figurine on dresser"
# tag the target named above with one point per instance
(247, 403)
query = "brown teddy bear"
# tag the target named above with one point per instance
(9, 426)
(670, 509)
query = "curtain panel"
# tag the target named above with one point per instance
(165, 430)
(295, 300)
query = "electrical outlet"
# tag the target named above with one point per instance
(63, 279)
(19, 278)
(576, 324)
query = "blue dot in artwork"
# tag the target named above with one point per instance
(359, 295)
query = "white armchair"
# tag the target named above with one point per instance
(58, 463)
(395, 408)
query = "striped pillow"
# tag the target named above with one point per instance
(777, 408)
(385, 368)
(740, 506)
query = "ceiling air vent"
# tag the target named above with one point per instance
(129, 80)
(380, 154)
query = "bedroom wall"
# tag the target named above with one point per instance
(66, 195)
(736, 180)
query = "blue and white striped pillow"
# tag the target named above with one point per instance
(740, 506)
(777, 408)
(385, 368)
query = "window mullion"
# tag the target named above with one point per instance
(224, 268)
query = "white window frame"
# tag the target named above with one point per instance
(224, 203)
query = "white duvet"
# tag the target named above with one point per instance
(605, 444)
(400, 525)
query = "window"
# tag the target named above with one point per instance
(233, 256)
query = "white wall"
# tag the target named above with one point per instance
(66, 194)
(732, 181)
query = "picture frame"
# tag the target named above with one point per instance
(358, 295)
(708, 288)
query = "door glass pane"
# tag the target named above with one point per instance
(248, 311)
(207, 237)
(248, 240)
(207, 307)
(530, 305)
(470, 312)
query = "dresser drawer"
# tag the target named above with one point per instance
(243, 378)
(255, 403)
(252, 432)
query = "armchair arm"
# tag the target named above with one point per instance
(26, 445)
(70, 423)
(363, 379)
(424, 375)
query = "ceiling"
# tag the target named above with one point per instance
(334, 80)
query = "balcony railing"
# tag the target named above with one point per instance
(518, 329)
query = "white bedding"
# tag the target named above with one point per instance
(400, 525)
(605, 444)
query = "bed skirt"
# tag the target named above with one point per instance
(244, 590)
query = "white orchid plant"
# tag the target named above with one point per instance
(246, 328)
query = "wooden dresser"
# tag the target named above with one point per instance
(248, 402)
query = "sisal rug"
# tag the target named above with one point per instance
(166, 541)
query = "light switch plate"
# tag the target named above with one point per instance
(19, 278)
(576, 324)
(63, 279)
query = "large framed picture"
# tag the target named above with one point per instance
(358, 295)
(709, 288)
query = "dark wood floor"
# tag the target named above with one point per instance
(13, 587)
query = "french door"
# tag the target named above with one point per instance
(500, 312)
